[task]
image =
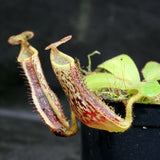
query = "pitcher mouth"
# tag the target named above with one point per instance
(27, 51)
(58, 58)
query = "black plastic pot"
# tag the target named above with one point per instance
(140, 142)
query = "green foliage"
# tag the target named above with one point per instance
(119, 79)
(122, 67)
(151, 71)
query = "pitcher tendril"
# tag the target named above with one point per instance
(89, 59)
(84, 91)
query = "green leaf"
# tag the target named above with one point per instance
(147, 89)
(122, 67)
(105, 80)
(151, 71)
